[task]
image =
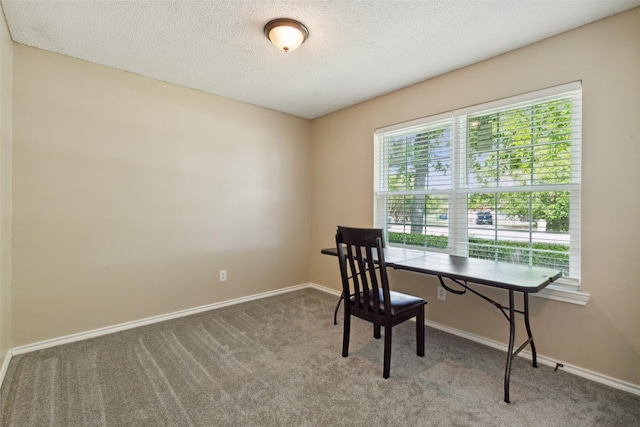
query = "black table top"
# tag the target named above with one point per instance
(498, 274)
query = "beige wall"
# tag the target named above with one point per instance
(131, 194)
(6, 66)
(601, 336)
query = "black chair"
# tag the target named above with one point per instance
(366, 291)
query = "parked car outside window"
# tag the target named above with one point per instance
(484, 218)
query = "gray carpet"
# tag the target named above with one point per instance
(276, 362)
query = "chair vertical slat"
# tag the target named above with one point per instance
(383, 276)
(362, 269)
(374, 289)
(354, 274)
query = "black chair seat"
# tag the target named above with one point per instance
(399, 302)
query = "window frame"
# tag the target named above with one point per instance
(566, 289)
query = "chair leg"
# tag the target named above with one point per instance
(420, 332)
(376, 331)
(387, 351)
(345, 333)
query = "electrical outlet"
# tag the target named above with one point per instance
(223, 275)
(442, 293)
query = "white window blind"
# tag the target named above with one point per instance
(497, 181)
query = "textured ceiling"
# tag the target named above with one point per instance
(356, 50)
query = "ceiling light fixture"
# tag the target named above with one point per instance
(286, 34)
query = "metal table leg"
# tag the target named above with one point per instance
(335, 313)
(512, 335)
(534, 361)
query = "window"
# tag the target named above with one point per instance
(496, 181)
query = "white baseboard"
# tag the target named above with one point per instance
(324, 289)
(149, 320)
(576, 370)
(594, 376)
(5, 366)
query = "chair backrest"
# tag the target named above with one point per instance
(363, 269)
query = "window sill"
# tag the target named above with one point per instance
(564, 292)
